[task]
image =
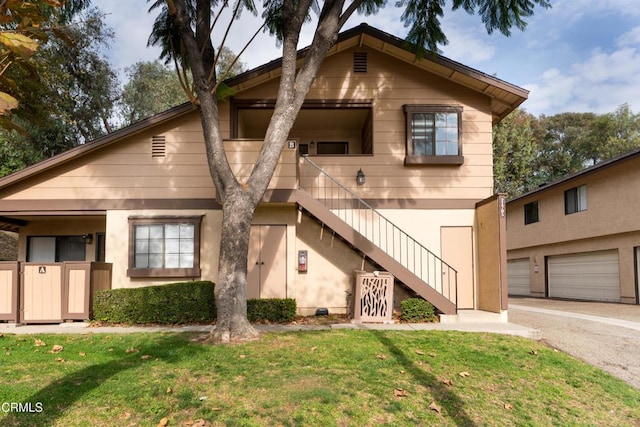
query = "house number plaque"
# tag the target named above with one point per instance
(42, 269)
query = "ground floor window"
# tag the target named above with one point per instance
(164, 246)
(56, 248)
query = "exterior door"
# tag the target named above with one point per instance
(267, 262)
(587, 276)
(457, 251)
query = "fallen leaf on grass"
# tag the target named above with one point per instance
(420, 362)
(163, 422)
(39, 343)
(464, 374)
(447, 382)
(59, 359)
(432, 354)
(420, 352)
(57, 348)
(534, 352)
(314, 348)
(169, 390)
(381, 357)
(145, 357)
(398, 392)
(7, 353)
(202, 398)
(508, 406)
(131, 350)
(434, 407)
(243, 356)
(82, 353)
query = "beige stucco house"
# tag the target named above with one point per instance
(388, 167)
(579, 237)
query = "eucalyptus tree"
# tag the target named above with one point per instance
(184, 29)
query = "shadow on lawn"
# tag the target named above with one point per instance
(59, 396)
(442, 395)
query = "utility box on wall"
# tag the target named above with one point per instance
(373, 297)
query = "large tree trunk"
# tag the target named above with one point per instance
(239, 200)
(231, 288)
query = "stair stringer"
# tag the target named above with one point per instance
(322, 213)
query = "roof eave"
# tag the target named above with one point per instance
(96, 144)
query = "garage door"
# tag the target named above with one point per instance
(587, 276)
(518, 277)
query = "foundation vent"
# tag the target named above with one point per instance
(158, 146)
(359, 62)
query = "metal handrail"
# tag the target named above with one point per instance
(381, 231)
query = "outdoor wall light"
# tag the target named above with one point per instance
(88, 238)
(312, 144)
(360, 177)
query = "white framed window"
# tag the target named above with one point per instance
(575, 200)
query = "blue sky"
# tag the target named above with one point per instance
(579, 56)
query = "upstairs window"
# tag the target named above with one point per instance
(164, 247)
(531, 213)
(433, 134)
(575, 200)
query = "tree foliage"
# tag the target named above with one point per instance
(152, 88)
(530, 151)
(67, 91)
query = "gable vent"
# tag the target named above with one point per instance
(359, 62)
(158, 146)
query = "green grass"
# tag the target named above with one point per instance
(341, 378)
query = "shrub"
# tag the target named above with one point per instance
(186, 302)
(417, 310)
(275, 310)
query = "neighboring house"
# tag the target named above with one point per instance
(388, 167)
(579, 237)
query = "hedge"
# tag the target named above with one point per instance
(271, 310)
(185, 302)
(415, 310)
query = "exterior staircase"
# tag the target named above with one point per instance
(382, 241)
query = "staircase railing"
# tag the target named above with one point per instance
(379, 230)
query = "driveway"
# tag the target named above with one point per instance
(604, 335)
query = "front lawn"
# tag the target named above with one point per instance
(345, 378)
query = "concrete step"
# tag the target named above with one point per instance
(474, 316)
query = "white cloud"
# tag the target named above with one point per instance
(630, 38)
(599, 84)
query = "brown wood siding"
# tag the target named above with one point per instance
(126, 169)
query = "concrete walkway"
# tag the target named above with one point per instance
(465, 325)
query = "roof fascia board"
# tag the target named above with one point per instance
(630, 155)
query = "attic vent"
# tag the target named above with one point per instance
(359, 62)
(158, 145)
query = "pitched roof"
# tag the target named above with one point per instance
(505, 97)
(615, 161)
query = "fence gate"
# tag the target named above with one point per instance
(9, 275)
(373, 297)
